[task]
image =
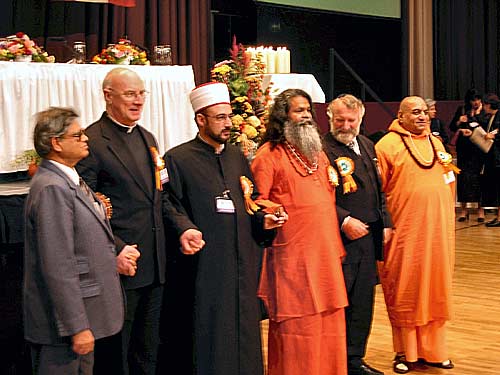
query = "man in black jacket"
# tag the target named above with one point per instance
(125, 165)
(363, 220)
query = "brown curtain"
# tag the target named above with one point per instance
(184, 24)
(467, 39)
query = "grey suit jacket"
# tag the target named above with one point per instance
(70, 277)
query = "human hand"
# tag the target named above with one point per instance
(355, 229)
(275, 220)
(463, 118)
(491, 135)
(83, 342)
(466, 132)
(388, 232)
(126, 260)
(191, 241)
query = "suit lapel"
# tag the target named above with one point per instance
(120, 151)
(80, 195)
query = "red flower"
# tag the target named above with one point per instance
(19, 34)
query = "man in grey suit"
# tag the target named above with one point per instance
(72, 292)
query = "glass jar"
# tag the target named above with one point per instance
(163, 55)
(79, 52)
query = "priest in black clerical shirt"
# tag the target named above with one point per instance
(124, 164)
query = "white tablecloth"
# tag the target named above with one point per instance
(306, 82)
(26, 88)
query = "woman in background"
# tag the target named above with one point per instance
(469, 156)
(438, 127)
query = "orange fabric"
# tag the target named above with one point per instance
(416, 275)
(302, 272)
(427, 342)
(312, 345)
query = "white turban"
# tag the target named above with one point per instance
(209, 94)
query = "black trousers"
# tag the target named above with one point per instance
(360, 276)
(134, 350)
(59, 360)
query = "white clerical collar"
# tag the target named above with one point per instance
(217, 150)
(68, 171)
(129, 128)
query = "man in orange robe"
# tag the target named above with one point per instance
(301, 282)
(417, 271)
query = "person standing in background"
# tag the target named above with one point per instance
(469, 158)
(437, 127)
(490, 189)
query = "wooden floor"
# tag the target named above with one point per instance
(474, 331)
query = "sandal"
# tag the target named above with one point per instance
(447, 365)
(401, 365)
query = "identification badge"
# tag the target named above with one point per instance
(164, 176)
(224, 205)
(449, 177)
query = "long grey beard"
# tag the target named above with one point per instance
(304, 136)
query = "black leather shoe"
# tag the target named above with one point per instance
(493, 223)
(363, 369)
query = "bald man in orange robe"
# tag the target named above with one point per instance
(417, 271)
(301, 282)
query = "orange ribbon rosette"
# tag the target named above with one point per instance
(159, 165)
(446, 159)
(345, 166)
(247, 188)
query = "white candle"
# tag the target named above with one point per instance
(287, 60)
(271, 60)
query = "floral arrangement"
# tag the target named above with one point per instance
(243, 76)
(27, 157)
(20, 47)
(124, 52)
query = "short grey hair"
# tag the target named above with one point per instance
(430, 102)
(51, 123)
(350, 101)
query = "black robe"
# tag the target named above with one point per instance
(224, 274)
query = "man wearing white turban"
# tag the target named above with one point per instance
(205, 176)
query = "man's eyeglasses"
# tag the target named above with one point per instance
(221, 117)
(133, 95)
(79, 135)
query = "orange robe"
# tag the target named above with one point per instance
(302, 272)
(416, 274)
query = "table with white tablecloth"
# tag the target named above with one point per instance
(26, 88)
(306, 82)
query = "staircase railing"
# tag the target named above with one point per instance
(364, 86)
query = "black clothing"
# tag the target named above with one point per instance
(224, 275)
(120, 166)
(359, 266)
(469, 158)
